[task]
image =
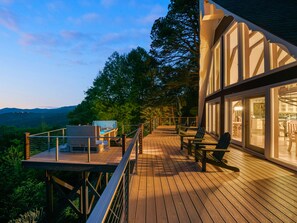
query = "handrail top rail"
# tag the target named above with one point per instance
(75, 137)
(41, 133)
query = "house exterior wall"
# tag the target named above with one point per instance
(243, 76)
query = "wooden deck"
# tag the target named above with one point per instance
(106, 160)
(170, 187)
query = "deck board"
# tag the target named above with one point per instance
(170, 187)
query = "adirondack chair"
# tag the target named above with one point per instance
(191, 137)
(292, 132)
(202, 152)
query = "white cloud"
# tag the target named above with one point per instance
(28, 39)
(6, 2)
(156, 12)
(55, 5)
(8, 20)
(74, 35)
(107, 3)
(88, 17)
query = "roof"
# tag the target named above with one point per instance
(278, 17)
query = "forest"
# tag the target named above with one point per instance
(131, 88)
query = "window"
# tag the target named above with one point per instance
(231, 56)
(215, 70)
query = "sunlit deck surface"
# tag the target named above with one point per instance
(170, 187)
(106, 160)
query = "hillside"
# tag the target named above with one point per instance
(34, 117)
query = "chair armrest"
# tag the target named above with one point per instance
(187, 135)
(192, 128)
(206, 143)
(196, 139)
(215, 150)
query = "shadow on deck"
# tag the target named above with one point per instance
(170, 187)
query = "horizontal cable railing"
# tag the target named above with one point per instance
(113, 205)
(56, 142)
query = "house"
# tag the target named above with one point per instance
(248, 75)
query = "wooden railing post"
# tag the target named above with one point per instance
(123, 144)
(57, 149)
(48, 141)
(150, 126)
(63, 134)
(27, 146)
(89, 150)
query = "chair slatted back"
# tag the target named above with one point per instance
(200, 133)
(223, 143)
(292, 128)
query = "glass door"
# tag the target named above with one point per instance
(284, 124)
(255, 125)
(236, 120)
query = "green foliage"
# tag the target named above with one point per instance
(28, 194)
(175, 45)
(34, 216)
(21, 189)
(120, 90)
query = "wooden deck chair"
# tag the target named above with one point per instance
(191, 137)
(202, 152)
(292, 131)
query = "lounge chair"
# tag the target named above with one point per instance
(191, 137)
(202, 152)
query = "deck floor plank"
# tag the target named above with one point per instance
(170, 187)
(159, 191)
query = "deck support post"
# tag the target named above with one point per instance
(85, 196)
(49, 196)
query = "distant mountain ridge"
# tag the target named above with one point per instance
(37, 110)
(30, 118)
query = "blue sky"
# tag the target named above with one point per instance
(51, 51)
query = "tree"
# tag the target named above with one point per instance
(120, 90)
(175, 45)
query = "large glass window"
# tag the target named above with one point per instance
(279, 56)
(213, 118)
(217, 67)
(284, 126)
(231, 56)
(215, 70)
(254, 63)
